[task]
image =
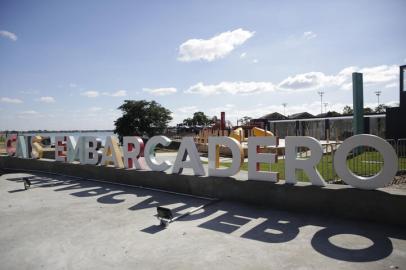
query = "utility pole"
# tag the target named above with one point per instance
(284, 108)
(378, 93)
(321, 93)
(325, 107)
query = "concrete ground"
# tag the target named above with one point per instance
(61, 223)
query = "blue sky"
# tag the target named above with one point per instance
(70, 64)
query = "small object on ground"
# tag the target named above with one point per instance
(27, 183)
(164, 215)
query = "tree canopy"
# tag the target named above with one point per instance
(348, 110)
(142, 118)
(381, 108)
(199, 118)
(244, 121)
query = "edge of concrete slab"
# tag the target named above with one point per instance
(383, 205)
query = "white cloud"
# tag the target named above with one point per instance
(29, 92)
(392, 103)
(225, 108)
(118, 93)
(343, 79)
(187, 109)
(380, 74)
(9, 35)
(11, 100)
(90, 94)
(377, 75)
(255, 61)
(161, 91)
(47, 99)
(309, 35)
(242, 88)
(214, 48)
(243, 55)
(30, 114)
(391, 85)
(306, 81)
(94, 109)
(93, 94)
(73, 85)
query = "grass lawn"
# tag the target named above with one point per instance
(365, 164)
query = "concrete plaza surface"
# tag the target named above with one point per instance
(62, 223)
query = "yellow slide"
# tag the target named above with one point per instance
(261, 132)
(237, 134)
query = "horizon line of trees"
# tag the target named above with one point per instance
(148, 118)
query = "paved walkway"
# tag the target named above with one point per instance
(64, 224)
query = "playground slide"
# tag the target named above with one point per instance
(260, 132)
(237, 134)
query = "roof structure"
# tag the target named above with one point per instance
(301, 115)
(274, 116)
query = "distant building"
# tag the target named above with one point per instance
(301, 115)
(328, 114)
(264, 120)
(274, 116)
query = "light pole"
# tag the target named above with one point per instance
(284, 108)
(325, 107)
(321, 93)
(378, 93)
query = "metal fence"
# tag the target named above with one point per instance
(327, 128)
(363, 161)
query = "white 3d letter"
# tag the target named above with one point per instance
(383, 178)
(236, 153)
(112, 153)
(308, 165)
(149, 151)
(188, 147)
(91, 154)
(132, 147)
(21, 150)
(255, 158)
(60, 148)
(11, 139)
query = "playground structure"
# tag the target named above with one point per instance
(239, 133)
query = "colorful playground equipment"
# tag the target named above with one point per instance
(240, 134)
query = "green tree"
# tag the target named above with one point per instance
(188, 121)
(141, 117)
(381, 108)
(199, 118)
(332, 113)
(368, 110)
(348, 110)
(244, 121)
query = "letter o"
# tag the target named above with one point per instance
(381, 179)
